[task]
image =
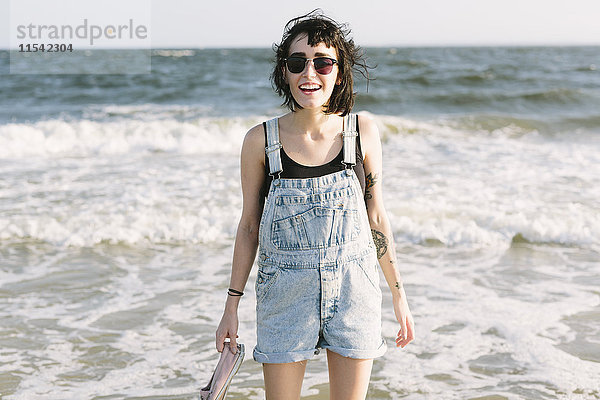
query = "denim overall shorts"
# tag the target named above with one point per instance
(317, 283)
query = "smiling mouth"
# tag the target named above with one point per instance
(309, 88)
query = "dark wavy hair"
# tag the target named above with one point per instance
(321, 29)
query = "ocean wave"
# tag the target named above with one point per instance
(558, 96)
(591, 67)
(174, 53)
(85, 137)
(511, 126)
(143, 129)
(449, 182)
(459, 126)
(410, 63)
(586, 122)
(147, 129)
(151, 222)
(501, 230)
(146, 112)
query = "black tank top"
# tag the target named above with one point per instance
(292, 169)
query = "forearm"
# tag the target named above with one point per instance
(386, 253)
(244, 253)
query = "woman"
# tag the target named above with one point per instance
(322, 229)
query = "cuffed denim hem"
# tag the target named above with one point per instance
(280, 358)
(358, 354)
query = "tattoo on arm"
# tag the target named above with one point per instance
(381, 242)
(399, 284)
(370, 181)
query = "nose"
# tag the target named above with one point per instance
(309, 68)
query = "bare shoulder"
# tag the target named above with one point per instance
(369, 134)
(254, 143)
(255, 137)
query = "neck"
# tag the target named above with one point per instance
(311, 121)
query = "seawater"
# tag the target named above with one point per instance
(120, 197)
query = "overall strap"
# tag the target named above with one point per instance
(349, 136)
(272, 149)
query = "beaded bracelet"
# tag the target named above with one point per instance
(233, 292)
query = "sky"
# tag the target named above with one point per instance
(259, 23)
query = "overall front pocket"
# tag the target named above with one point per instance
(265, 278)
(315, 228)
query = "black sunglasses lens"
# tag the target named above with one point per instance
(296, 64)
(323, 65)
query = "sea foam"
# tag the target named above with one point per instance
(80, 183)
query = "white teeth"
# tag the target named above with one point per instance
(309, 86)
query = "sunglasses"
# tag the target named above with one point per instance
(323, 65)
